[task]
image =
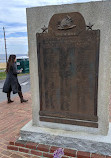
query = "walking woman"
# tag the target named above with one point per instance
(11, 82)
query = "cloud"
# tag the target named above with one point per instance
(28, 3)
(11, 30)
(17, 40)
(13, 18)
(13, 15)
(16, 45)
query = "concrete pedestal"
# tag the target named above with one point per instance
(67, 139)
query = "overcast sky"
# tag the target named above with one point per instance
(13, 18)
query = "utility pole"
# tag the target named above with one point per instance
(5, 44)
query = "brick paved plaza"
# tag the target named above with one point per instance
(12, 118)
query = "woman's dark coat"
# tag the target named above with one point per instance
(11, 82)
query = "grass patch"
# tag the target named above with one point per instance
(2, 75)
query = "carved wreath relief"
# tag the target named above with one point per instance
(66, 23)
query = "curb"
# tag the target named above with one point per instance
(42, 150)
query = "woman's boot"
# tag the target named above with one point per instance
(8, 98)
(21, 97)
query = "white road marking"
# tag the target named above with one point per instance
(23, 84)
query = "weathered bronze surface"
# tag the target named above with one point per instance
(68, 75)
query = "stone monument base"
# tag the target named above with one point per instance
(67, 139)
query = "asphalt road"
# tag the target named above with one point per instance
(24, 82)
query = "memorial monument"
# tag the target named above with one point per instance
(70, 52)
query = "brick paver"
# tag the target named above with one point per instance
(12, 118)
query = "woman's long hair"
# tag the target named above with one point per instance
(10, 62)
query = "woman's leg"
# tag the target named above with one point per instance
(20, 94)
(21, 97)
(8, 98)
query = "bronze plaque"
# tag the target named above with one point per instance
(68, 75)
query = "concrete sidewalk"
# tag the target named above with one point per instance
(12, 118)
